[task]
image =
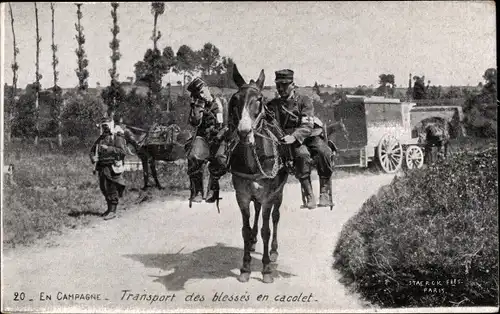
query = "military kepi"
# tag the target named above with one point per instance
(196, 85)
(284, 76)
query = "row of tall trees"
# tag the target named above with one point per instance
(216, 69)
(150, 70)
(27, 107)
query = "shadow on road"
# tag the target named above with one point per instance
(213, 262)
(84, 213)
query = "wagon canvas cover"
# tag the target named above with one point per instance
(352, 114)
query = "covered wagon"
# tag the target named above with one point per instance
(385, 131)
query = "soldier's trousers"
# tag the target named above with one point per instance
(109, 189)
(312, 147)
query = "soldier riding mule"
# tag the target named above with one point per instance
(257, 169)
(208, 115)
(295, 115)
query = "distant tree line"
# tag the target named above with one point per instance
(479, 103)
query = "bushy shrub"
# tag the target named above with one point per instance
(24, 114)
(83, 111)
(438, 223)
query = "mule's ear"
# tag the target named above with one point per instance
(238, 79)
(261, 79)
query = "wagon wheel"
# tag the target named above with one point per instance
(390, 153)
(414, 157)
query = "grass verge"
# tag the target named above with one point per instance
(430, 238)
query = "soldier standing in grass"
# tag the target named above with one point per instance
(209, 116)
(295, 114)
(108, 154)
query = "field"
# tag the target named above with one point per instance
(53, 191)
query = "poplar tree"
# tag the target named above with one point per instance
(113, 95)
(38, 76)
(56, 90)
(15, 68)
(81, 72)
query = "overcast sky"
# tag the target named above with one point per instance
(349, 43)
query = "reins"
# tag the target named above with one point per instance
(277, 165)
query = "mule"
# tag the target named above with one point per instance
(258, 172)
(149, 152)
(435, 134)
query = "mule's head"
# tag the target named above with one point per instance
(246, 105)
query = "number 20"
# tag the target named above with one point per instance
(19, 296)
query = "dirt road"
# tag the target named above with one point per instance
(159, 258)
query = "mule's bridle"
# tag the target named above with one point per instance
(277, 165)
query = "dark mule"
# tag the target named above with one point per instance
(435, 133)
(258, 174)
(151, 146)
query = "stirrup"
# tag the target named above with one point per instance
(213, 197)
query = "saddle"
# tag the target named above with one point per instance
(162, 135)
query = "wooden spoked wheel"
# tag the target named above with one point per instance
(414, 157)
(390, 153)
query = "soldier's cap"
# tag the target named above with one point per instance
(284, 76)
(196, 85)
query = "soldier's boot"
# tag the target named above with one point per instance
(213, 190)
(107, 211)
(307, 193)
(325, 188)
(197, 186)
(111, 212)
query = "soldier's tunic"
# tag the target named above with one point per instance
(208, 127)
(296, 117)
(111, 184)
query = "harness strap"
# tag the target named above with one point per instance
(289, 112)
(135, 128)
(277, 165)
(253, 177)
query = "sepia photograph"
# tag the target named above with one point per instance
(249, 156)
